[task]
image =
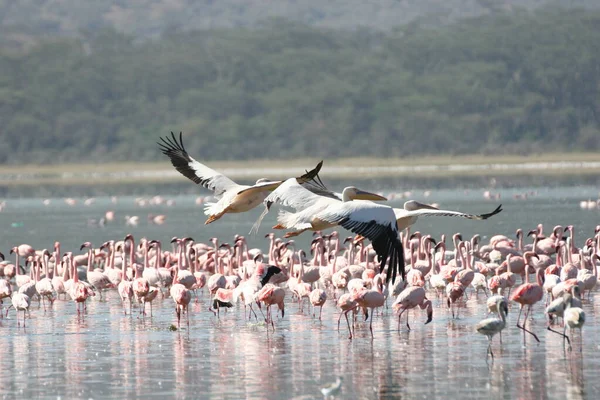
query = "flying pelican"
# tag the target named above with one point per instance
(412, 210)
(322, 209)
(233, 198)
(307, 199)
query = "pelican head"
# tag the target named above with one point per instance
(354, 193)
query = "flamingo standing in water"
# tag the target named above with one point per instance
(20, 302)
(318, 297)
(79, 291)
(490, 326)
(529, 293)
(271, 295)
(346, 303)
(412, 297)
(180, 295)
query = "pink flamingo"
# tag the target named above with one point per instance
(97, 279)
(318, 297)
(454, 291)
(181, 296)
(222, 298)
(20, 302)
(409, 298)
(346, 303)
(371, 298)
(528, 294)
(271, 295)
(79, 291)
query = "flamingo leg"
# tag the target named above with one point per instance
(525, 322)
(400, 317)
(348, 322)
(490, 346)
(320, 312)
(371, 322)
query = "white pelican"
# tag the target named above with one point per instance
(412, 210)
(307, 199)
(320, 211)
(376, 222)
(233, 198)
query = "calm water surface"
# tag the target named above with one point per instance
(107, 354)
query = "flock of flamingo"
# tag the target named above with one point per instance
(357, 277)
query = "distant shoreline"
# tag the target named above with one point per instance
(427, 166)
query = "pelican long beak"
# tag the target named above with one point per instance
(364, 195)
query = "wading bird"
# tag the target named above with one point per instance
(490, 326)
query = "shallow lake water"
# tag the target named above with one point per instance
(107, 354)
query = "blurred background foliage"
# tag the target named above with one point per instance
(245, 80)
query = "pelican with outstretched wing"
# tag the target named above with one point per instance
(233, 198)
(307, 199)
(412, 210)
(376, 222)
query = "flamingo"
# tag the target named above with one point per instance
(346, 303)
(528, 294)
(371, 298)
(574, 318)
(317, 298)
(181, 296)
(271, 295)
(409, 298)
(21, 302)
(97, 279)
(490, 326)
(79, 292)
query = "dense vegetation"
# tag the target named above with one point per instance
(23, 21)
(500, 83)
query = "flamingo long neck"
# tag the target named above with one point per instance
(132, 252)
(246, 249)
(456, 243)
(271, 248)
(216, 255)
(111, 259)
(572, 235)
(37, 265)
(336, 249)
(520, 240)
(17, 263)
(89, 266)
(413, 256)
(508, 264)
(559, 256)
(73, 268)
(316, 255)
(45, 260)
(405, 239)
(159, 259)
(502, 314)
(334, 264)
(420, 248)
(443, 256)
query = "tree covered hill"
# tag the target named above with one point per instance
(24, 21)
(502, 83)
